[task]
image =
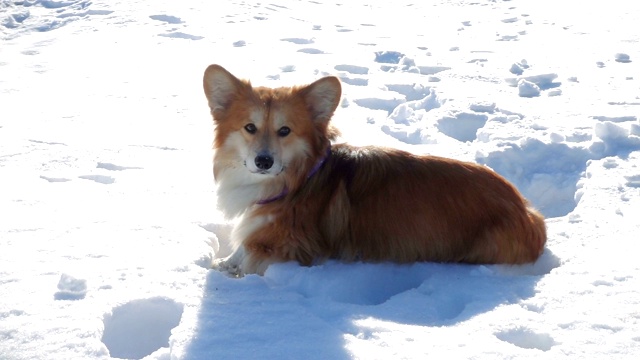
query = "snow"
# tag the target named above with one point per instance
(623, 58)
(108, 219)
(148, 321)
(70, 288)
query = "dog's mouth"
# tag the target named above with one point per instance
(270, 172)
(273, 171)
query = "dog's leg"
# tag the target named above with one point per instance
(241, 262)
(231, 264)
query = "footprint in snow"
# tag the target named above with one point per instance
(341, 28)
(288, 68)
(462, 126)
(616, 119)
(387, 103)
(55, 15)
(388, 57)
(105, 179)
(622, 58)
(140, 327)
(345, 283)
(46, 142)
(347, 70)
(181, 35)
(432, 70)
(298, 41)
(167, 19)
(355, 81)
(101, 179)
(633, 181)
(548, 174)
(53, 180)
(508, 38)
(174, 20)
(526, 338)
(312, 51)
(114, 167)
(352, 69)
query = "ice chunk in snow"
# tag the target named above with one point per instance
(528, 89)
(70, 288)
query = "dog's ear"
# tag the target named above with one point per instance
(221, 87)
(322, 97)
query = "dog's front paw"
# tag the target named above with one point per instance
(227, 267)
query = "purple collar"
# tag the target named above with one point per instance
(319, 164)
(282, 194)
(285, 190)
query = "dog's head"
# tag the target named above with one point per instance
(269, 131)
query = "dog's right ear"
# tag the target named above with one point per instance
(221, 88)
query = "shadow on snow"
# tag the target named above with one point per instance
(311, 312)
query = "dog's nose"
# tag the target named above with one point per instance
(264, 162)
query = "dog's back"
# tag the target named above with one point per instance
(375, 204)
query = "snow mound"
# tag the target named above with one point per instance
(407, 121)
(533, 85)
(528, 89)
(544, 265)
(615, 139)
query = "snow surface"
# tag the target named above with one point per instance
(108, 219)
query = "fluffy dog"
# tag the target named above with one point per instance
(298, 197)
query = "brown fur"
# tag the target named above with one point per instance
(364, 203)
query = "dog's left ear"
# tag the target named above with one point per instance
(322, 97)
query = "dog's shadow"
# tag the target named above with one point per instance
(314, 312)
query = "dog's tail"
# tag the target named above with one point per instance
(537, 232)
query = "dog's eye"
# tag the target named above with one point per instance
(251, 128)
(284, 131)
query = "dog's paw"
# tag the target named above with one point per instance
(227, 267)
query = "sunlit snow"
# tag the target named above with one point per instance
(108, 218)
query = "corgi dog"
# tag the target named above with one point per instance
(300, 198)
